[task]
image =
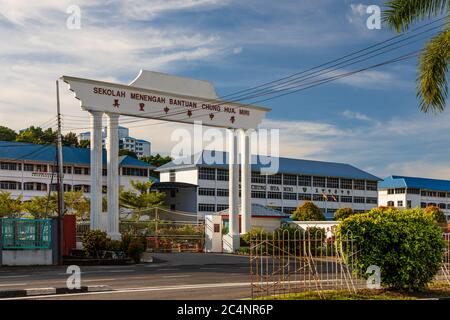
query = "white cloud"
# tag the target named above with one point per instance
(356, 115)
(356, 14)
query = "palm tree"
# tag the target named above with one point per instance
(432, 85)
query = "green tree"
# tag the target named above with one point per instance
(76, 203)
(8, 205)
(343, 213)
(432, 87)
(308, 211)
(125, 152)
(42, 206)
(156, 160)
(84, 144)
(142, 198)
(7, 134)
(70, 140)
(37, 135)
(435, 213)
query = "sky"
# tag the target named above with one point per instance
(370, 120)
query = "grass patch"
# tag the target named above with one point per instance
(436, 290)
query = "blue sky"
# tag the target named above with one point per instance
(370, 120)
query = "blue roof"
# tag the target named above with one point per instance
(46, 153)
(286, 165)
(414, 182)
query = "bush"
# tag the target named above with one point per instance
(135, 249)
(254, 233)
(94, 241)
(308, 211)
(436, 214)
(343, 213)
(114, 245)
(407, 245)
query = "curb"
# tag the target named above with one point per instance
(50, 291)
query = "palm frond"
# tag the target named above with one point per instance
(432, 87)
(402, 13)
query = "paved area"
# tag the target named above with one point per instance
(172, 276)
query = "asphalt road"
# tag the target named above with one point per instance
(173, 276)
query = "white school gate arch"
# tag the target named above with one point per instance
(165, 97)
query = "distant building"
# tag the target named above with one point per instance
(411, 192)
(30, 170)
(203, 188)
(142, 148)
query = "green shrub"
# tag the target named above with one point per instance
(308, 211)
(436, 214)
(135, 249)
(407, 245)
(94, 241)
(343, 213)
(254, 233)
(114, 245)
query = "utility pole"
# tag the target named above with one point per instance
(60, 174)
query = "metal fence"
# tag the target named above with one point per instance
(286, 262)
(26, 233)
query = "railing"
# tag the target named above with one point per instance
(26, 233)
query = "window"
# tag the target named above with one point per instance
(259, 194)
(104, 172)
(222, 192)
(206, 174)
(41, 168)
(28, 167)
(28, 186)
(372, 200)
(304, 181)
(413, 191)
(423, 193)
(400, 191)
(346, 184)
(359, 200)
(83, 187)
(222, 175)
(400, 203)
(274, 179)
(10, 185)
(319, 182)
(371, 185)
(432, 193)
(304, 196)
(289, 196)
(67, 187)
(288, 210)
(173, 193)
(390, 191)
(10, 166)
(408, 204)
(273, 195)
(206, 192)
(333, 183)
(359, 185)
(67, 170)
(172, 175)
(441, 194)
(77, 170)
(390, 203)
(442, 206)
(222, 207)
(431, 204)
(258, 177)
(347, 199)
(290, 179)
(206, 207)
(423, 204)
(137, 172)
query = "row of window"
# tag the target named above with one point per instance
(209, 207)
(13, 166)
(423, 193)
(292, 180)
(37, 186)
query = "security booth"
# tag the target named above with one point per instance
(216, 225)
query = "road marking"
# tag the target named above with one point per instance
(22, 276)
(91, 280)
(178, 276)
(13, 284)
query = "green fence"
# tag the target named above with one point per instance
(26, 233)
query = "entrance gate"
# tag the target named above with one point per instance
(160, 96)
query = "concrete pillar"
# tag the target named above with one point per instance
(112, 145)
(231, 242)
(246, 205)
(96, 168)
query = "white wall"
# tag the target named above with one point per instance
(37, 257)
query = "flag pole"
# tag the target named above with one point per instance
(60, 181)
